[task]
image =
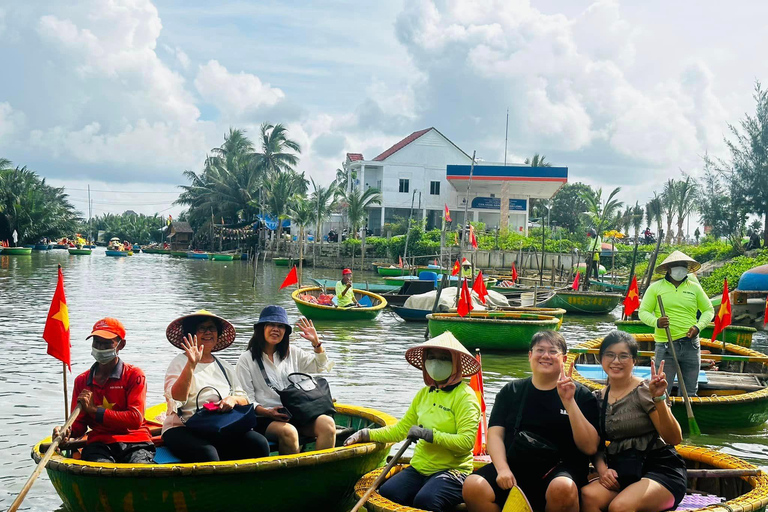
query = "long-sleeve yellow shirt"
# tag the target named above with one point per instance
(680, 303)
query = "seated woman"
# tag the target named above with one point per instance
(443, 419)
(540, 436)
(270, 351)
(639, 471)
(199, 335)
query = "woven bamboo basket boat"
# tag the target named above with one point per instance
(591, 303)
(321, 312)
(488, 330)
(737, 334)
(222, 257)
(16, 251)
(82, 252)
(314, 480)
(118, 254)
(739, 494)
(733, 398)
(392, 271)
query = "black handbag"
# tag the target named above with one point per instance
(536, 454)
(239, 420)
(304, 402)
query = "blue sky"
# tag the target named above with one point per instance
(125, 95)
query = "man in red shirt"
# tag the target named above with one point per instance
(112, 394)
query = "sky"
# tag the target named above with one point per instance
(125, 95)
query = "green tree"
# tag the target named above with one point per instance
(279, 191)
(302, 214)
(669, 205)
(355, 205)
(567, 201)
(278, 153)
(537, 161)
(686, 201)
(719, 206)
(653, 212)
(323, 200)
(598, 212)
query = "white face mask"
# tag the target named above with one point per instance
(438, 369)
(103, 356)
(678, 273)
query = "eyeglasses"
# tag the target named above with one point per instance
(207, 328)
(552, 352)
(623, 357)
(276, 326)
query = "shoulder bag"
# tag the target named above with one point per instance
(239, 420)
(304, 402)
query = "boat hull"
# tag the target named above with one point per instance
(155, 250)
(330, 284)
(222, 257)
(736, 334)
(179, 254)
(119, 254)
(320, 312)
(391, 272)
(80, 252)
(197, 255)
(410, 314)
(499, 332)
(590, 303)
(43, 247)
(16, 251)
(324, 479)
(280, 262)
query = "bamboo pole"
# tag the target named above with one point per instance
(66, 394)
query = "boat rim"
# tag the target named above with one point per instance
(271, 463)
(751, 396)
(588, 292)
(745, 328)
(449, 317)
(381, 305)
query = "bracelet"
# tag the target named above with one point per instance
(318, 345)
(660, 398)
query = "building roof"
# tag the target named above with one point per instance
(181, 227)
(354, 157)
(400, 145)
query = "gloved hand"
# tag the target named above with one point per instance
(418, 432)
(361, 436)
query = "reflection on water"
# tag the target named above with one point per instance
(148, 291)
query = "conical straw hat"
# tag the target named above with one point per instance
(445, 341)
(175, 331)
(679, 257)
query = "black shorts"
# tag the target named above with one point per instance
(534, 488)
(668, 468)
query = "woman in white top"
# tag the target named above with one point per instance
(271, 343)
(199, 335)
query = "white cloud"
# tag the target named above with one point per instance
(11, 121)
(236, 95)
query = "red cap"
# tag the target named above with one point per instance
(108, 328)
(346, 271)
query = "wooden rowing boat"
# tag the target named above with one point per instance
(178, 254)
(489, 330)
(734, 396)
(411, 314)
(322, 312)
(330, 284)
(82, 252)
(119, 253)
(312, 480)
(592, 303)
(737, 334)
(16, 251)
(197, 255)
(714, 484)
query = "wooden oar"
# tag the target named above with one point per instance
(693, 427)
(516, 501)
(48, 454)
(382, 476)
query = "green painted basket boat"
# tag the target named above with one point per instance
(330, 284)
(280, 262)
(558, 313)
(16, 251)
(737, 334)
(742, 494)
(317, 480)
(81, 252)
(179, 254)
(320, 312)
(155, 250)
(592, 303)
(392, 271)
(222, 257)
(487, 330)
(717, 411)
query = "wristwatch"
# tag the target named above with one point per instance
(660, 398)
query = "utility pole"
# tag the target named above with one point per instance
(90, 240)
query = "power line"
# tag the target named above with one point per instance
(121, 191)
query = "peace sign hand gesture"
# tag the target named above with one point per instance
(193, 351)
(658, 383)
(566, 387)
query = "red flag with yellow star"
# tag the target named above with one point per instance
(476, 383)
(723, 316)
(632, 300)
(456, 268)
(56, 331)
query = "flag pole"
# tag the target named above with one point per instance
(66, 397)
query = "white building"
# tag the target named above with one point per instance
(428, 171)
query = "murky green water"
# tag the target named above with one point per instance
(148, 291)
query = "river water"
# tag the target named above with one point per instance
(146, 292)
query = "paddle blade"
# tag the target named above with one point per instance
(365, 301)
(516, 501)
(693, 427)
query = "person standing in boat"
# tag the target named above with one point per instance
(640, 469)
(112, 394)
(345, 295)
(683, 297)
(466, 269)
(443, 419)
(542, 431)
(594, 246)
(186, 380)
(270, 353)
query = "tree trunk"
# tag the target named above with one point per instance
(301, 253)
(765, 230)
(668, 238)
(680, 236)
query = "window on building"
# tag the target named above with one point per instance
(434, 188)
(404, 185)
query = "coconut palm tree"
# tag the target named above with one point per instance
(685, 203)
(355, 204)
(279, 191)
(277, 152)
(637, 218)
(302, 214)
(537, 161)
(653, 212)
(323, 200)
(598, 212)
(669, 205)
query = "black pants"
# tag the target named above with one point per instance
(194, 447)
(438, 492)
(122, 453)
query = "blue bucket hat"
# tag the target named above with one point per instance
(274, 315)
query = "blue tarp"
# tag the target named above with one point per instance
(595, 372)
(271, 222)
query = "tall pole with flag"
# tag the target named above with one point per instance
(56, 333)
(723, 316)
(465, 227)
(476, 383)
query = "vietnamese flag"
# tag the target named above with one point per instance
(632, 300)
(472, 237)
(465, 299)
(456, 268)
(479, 287)
(447, 214)
(291, 278)
(476, 383)
(765, 314)
(723, 316)
(400, 263)
(56, 331)
(575, 285)
(514, 273)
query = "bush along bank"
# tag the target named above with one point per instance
(713, 284)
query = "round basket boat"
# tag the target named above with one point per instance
(591, 303)
(738, 494)
(737, 334)
(322, 312)
(179, 254)
(558, 313)
(222, 257)
(81, 252)
(118, 254)
(490, 330)
(315, 480)
(392, 271)
(16, 251)
(732, 398)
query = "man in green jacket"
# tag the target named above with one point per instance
(683, 297)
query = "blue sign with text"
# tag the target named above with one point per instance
(494, 203)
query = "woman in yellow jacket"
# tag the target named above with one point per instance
(443, 420)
